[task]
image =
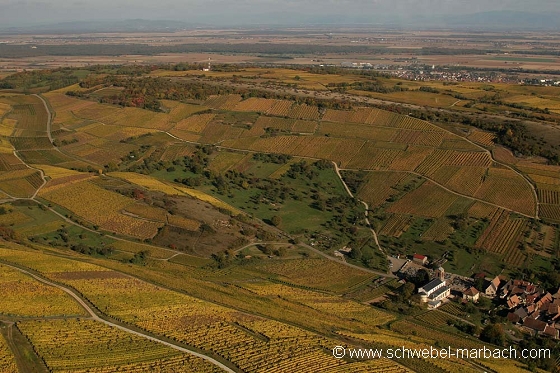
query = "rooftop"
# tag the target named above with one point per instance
(471, 291)
(439, 291)
(432, 285)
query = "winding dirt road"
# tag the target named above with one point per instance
(95, 317)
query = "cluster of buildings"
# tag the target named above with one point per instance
(356, 65)
(544, 82)
(532, 307)
(420, 72)
(434, 73)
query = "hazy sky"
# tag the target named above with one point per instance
(21, 12)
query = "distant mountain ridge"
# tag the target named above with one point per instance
(507, 20)
(492, 20)
(132, 25)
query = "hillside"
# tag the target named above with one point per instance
(201, 225)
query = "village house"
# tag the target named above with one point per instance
(419, 259)
(471, 294)
(492, 289)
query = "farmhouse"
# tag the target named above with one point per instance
(492, 289)
(419, 259)
(471, 294)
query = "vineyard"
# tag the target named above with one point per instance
(325, 303)
(20, 295)
(30, 114)
(505, 188)
(45, 264)
(454, 309)
(396, 225)
(304, 126)
(280, 108)
(180, 111)
(356, 131)
(256, 299)
(156, 185)
(415, 137)
(20, 183)
(482, 210)
(323, 274)
(215, 132)
(195, 123)
(242, 339)
(388, 338)
(175, 151)
(7, 360)
(226, 102)
(86, 345)
(435, 318)
(146, 182)
(102, 208)
(261, 105)
(467, 179)
(12, 216)
(147, 212)
(551, 212)
(363, 138)
(224, 161)
(441, 158)
(483, 138)
(379, 186)
(303, 111)
(372, 158)
(408, 328)
(134, 247)
(4, 108)
(7, 126)
(439, 230)
(548, 191)
(181, 222)
(428, 200)
(272, 122)
(502, 237)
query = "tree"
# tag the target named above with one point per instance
(266, 249)
(406, 291)
(281, 252)
(422, 277)
(493, 333)
(479, 283)
(356, 253)
(276, 220)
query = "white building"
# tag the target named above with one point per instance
(434, 290)
(493, 287)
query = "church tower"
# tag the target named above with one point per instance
(440, 273)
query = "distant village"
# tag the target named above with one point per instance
(531, 308)
(419, 72)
